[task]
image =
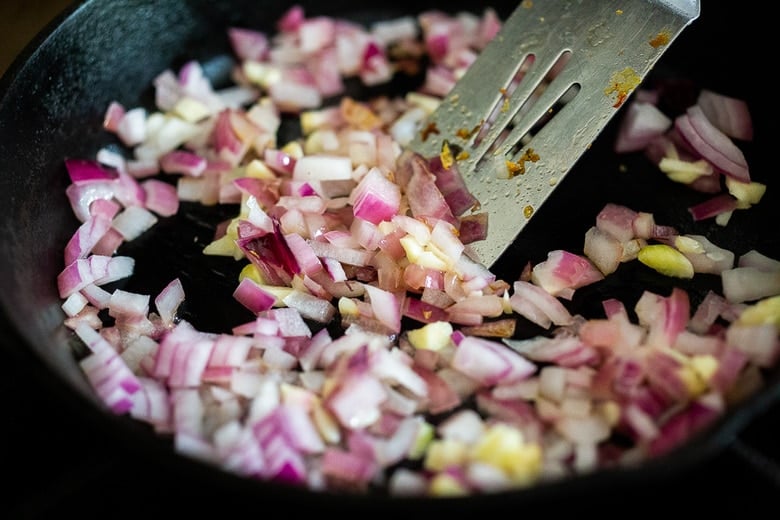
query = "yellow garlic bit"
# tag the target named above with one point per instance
(610, 411)
(666, 260)
(688, 245)
(766, 311)
(444, 453)
(443, 485)
(684, 172)
(259, 170)
(746, 193)
(693, 381)
(250, 271)
(223, 246)
(347, 307)
(191, 110)
(424, 438)
(226, 244)
(421, 255)
(504, 447)
(705, 366)
(432, 336)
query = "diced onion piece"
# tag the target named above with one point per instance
(742, 284)
(253, 296)
(376, 198)
(728, 114)
(133, 221)
(641, 123)
(168, 301)
(345, 215)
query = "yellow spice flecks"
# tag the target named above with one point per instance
(622, 83)
(446, 155)
(661, 39)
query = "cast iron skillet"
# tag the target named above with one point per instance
(52, 102)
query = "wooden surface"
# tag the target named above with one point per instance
(21, 21)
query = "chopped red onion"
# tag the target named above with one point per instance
(345, 228)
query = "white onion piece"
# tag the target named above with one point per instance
(322, 167)
(74, 304)
(131, 128)
(386, 307)
(742, 284)
(618, 221)
(133, 221)
(356, 404)
(167, 302)
(758, 260)
(310, 307)
(758, 342)
(705, 256)
(537, 305)
(125, 303)
(96, 269)
(138, 351)
(641, 123)
(83, 196)
(603, 249)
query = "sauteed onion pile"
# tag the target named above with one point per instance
(424, 387)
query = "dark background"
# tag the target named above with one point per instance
(20, 20)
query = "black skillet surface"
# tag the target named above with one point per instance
(52, 104)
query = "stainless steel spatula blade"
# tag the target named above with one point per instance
(539, 94)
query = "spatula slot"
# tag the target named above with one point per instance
(519, 143)
(502, 102)
(526, 104)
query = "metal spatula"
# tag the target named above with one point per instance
(539, 94)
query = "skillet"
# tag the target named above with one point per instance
(51, 105)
